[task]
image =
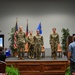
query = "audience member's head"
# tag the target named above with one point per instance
(2, 55)
(74, 38)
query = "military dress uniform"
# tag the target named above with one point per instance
(31, 46)
(54, 40)
(38, 39)
(21, 40)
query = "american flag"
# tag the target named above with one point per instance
(16, 30)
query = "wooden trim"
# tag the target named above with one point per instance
(40, 67)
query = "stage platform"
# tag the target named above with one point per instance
(44, 66)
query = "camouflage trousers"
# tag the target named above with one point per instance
(54, 51)
(31, 51)
(54, 54)
(21, 49)
(38, 51)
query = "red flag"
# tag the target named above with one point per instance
(27, 28)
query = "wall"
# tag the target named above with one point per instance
(53, 13)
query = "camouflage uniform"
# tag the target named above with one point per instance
(54, 40)
(38, 45)
(21, 39)
(31, 46)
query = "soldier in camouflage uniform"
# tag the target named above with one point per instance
(38, 39)
(21, 39)
(54, 41)
(31, 45)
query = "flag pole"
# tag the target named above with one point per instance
(16, 20)
(27, 21)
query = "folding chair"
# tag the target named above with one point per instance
(59, 50)
(26, 49)
(43, 52)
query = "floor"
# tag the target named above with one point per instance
(47, 58)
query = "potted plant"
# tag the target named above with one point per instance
(12, 71)
(11, 41)
(68, 71)
(65, 34)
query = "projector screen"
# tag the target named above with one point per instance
(1, 40)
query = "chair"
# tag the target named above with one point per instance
(43, 52)
(26, 49)
(2, 67)
(59, 50)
